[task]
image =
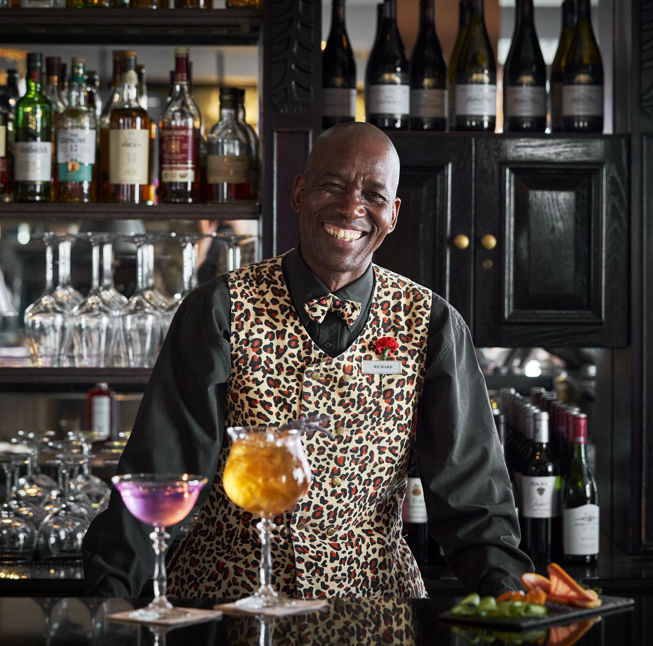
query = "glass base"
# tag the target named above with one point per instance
(265, 597)
(156, 611)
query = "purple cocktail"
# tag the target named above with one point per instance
(161, 500)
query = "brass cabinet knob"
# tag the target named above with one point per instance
(488, 242)
(461, 241)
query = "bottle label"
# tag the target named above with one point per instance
(101, 416)
(476, 99)
(388, 99)
(75, 155)
(582, 100)
(128, 156)
(177, 154)
(414, 509)
(429, 103)
(227, 169)
(33, 161)
(525, 101)
(540, 496)
(556, 107)
(580, 530)
(338, 102)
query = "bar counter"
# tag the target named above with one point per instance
(356, 622)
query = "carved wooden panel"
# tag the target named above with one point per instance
(435, 188)
(558, 273)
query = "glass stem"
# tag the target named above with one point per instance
(158, 537)
(107, 264)
(95, 264)
(141, 261)
(189, 270)
(233, 255)
(49, 266)
(149, 265)
(65, 247)
(266, 526)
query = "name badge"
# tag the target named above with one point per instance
(381, 367)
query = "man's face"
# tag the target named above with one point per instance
(347, 205)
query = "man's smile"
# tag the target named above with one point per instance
(342, 234)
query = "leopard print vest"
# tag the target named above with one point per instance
(344, 537)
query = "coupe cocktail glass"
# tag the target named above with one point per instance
(161, 500)
(266, 474)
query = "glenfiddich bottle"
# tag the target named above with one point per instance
(338, 72)
(181, 132)
(129, 142)
(76, 139)
(428, 75)
(33, 147)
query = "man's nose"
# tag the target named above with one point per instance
(351, 204)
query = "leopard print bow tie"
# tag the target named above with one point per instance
(348, 311)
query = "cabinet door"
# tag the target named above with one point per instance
(435, 188)
(551, 252)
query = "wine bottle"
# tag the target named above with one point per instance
(414, 517)
(580, 503)
(524, 77)
(6, 185)
(129, 142)
(500, 423)
(252, 137)
(76, 138)
(540, 494)
(387, 78)
(101, 412)
(338, 72)
(558, 65)
(476, 77)
(33, 139)
(181, 131)
(463, 24)
(51, 89)
(582, 90)
(428, 75)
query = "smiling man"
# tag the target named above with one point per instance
(297, 334)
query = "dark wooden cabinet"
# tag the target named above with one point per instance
(526, 236)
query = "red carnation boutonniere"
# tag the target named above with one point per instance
(385, 346)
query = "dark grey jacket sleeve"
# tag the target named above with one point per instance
(467, 489)
(179, 428)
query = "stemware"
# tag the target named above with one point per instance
(189, 243)
(160, 500)
(46, 319)
(35, 486)
(266, 473)
(92, 488)
(108, 292)
(234, 242)
(64, 292)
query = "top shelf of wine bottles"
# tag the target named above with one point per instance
(118, 26)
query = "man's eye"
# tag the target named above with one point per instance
(375, 197)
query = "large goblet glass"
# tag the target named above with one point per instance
(266, 474)
(161, 500)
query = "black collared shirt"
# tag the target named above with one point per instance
(180, 426)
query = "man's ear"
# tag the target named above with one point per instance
(395, 213)
(296, 194)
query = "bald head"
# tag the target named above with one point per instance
(355, 134)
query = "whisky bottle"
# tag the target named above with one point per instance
(51, 89)
(33, 147)
(93, 99)
(228, 154)
(253, 144)
(129, 142)
(76, 135)
(181, 131)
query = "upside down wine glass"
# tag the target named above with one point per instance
(266, 474)
(161, 500)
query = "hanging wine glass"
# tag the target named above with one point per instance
(64, 292)
(266, 473)
(188, 242)
(108, 292)
(11, 465)
(35, 486)
(94, 489)
(95, 328)
(160, 500)
(140, 318)
(234, 242)
(46, 319)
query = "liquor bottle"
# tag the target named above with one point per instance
(172, 88)
(540, 491)
(524, 77)
(63, 83)
(51, 89)
(101, 412)
(463, 24)
(252, 137)
(428, 75)
(338, 72)
(33, 139)
(10, 94)
(582, 90)
(104, 187)
(6, 184)
(141, 72)
(228, 154)
(580, 503)
(500, 423)
(387, 78)
(414, 517)
(476, 77)
(129, 142)
(76, 140)
(93, 99)
(558, 65)
(181, 131)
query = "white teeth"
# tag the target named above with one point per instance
(342, 234)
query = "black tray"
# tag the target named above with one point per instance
(557, 615)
